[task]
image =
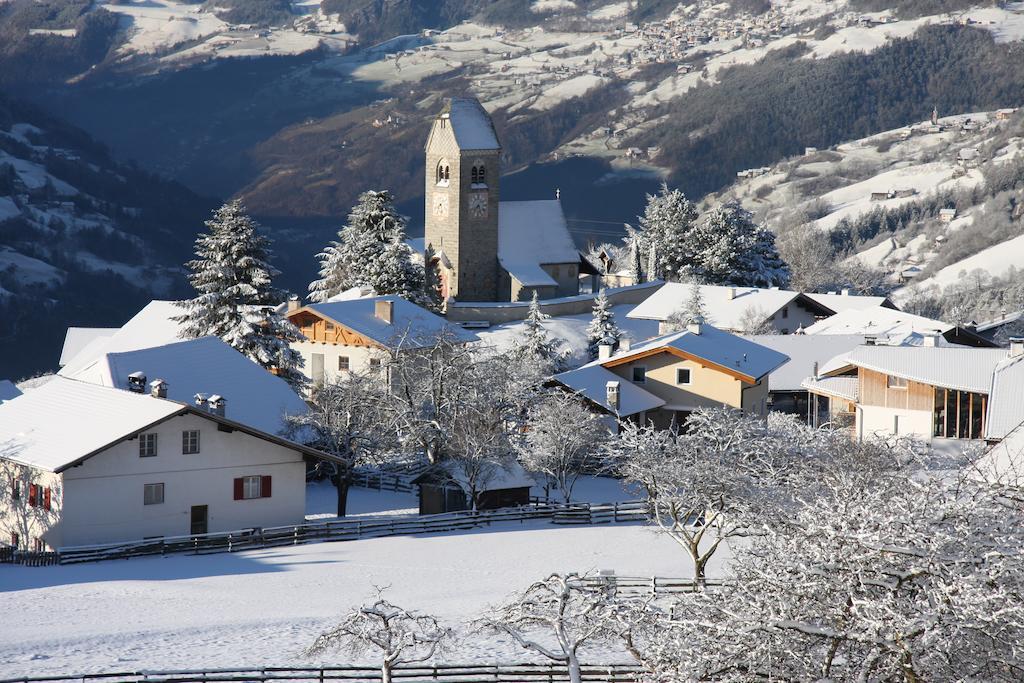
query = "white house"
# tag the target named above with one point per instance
(86, 464)
(891, 324)
(350, 335)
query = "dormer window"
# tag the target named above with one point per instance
(443, 172)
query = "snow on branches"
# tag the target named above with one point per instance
(602, 328)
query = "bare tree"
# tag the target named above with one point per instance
(556, 617)
(563, 441)
(345, 420)
(27, 508)
(755, 320)
(399, 636)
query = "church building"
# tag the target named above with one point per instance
(484, 249)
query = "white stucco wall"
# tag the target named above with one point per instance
(875, 419)
(102, 500)
(359, 357)
(17, 516)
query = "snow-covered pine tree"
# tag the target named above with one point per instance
(236, 299)
(636, 269)
(602, 328)
(730, 250)
(666, 223)
(535, 344)
(692, 310)
(370, 252)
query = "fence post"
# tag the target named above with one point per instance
(230, 544)
(654, 586)
(295, 536)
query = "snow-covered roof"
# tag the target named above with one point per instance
(726, 306)
(1002, 320)
(592, 379)
(77, 338)
(952, 367)
(1003, 463)
(1006, 402)
(804, 352)
(152, 326)
(844, 302)
(208, 366)
(840, 387)
(67, 421)
(471, 124)
(352, 293)
(877, 321)
(511, 476)
(530, 234)
(713, 346)
(8, 390)
(411, 325)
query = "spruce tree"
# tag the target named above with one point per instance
(730, 250)
(694, 310)
(536, 346)
(602, 328)
(235, 297)
(370, 252)
(666, 223)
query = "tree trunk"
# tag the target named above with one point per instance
(575, 675)
(385, 673)
(342, 483)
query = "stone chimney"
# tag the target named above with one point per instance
(293, 303)
(158, 388)
(1016, 347)
(604, 351)
(612, 395)
(200, 401)
(624, 344)
(137, 382)
(930, 339)
(384, 309)
(216, 404)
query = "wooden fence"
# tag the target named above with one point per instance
(354, 528)
(441, 673)
(646, 585)
(11, 555)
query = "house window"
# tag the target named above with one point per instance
(894, 382)
(683, 376)
(39, 545)
(640, 374)
(959, 414)
(190, 441)
(256, 486)
(38, 496)
(15, 489)
(147, 445)
(15, 540)
(329, 327)
(152, 494)
(343, 364)
(785, 311)
(374, 364)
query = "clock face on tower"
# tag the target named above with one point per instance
(478, 205)
(441, 205)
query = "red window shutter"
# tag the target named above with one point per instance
(46, 498)
(239, 490)
(32, 495)
(265, 486)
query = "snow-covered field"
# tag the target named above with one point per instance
(261, 608)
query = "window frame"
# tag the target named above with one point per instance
(894, 382)
(144, 445)
(345, 366)
(689, 377)
(643, 374)
(247, 482)
(186, 440)
(153, 488)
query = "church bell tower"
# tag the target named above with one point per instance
(461, 191)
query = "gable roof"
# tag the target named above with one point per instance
(65, 422)
(1006, 402)
(726, 306)
(591, 381)
(209, 366)
(471, 124)
(804, 352)
(711, 346)
(411, 325)
(952, 367)
(530, 234)
(77, 338)
(887, 322)
(151, 326)
(844, 302)
(840, 387)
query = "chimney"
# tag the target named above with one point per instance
(930, 339)
(293, 303)
(845, 292)
(137, 382)
(664, 327)
(732, 293)
(384, 309)
(158, 388)
(870, 340)
(604, 351)
(624, 344)
(216, 404)
(1016, 347)
(200, 401)
(814, 372)
(694, 327)
(612, 395)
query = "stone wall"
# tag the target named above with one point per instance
(496, 313)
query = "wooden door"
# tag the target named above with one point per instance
(199, 520)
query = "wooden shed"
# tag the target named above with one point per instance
(442, 489)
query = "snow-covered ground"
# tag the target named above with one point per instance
(261, 608)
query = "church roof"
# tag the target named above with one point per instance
(471, 124)
(530, 234)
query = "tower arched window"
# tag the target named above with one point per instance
(472, 176)
(442, 172)
(478, 175)
(481, 178)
